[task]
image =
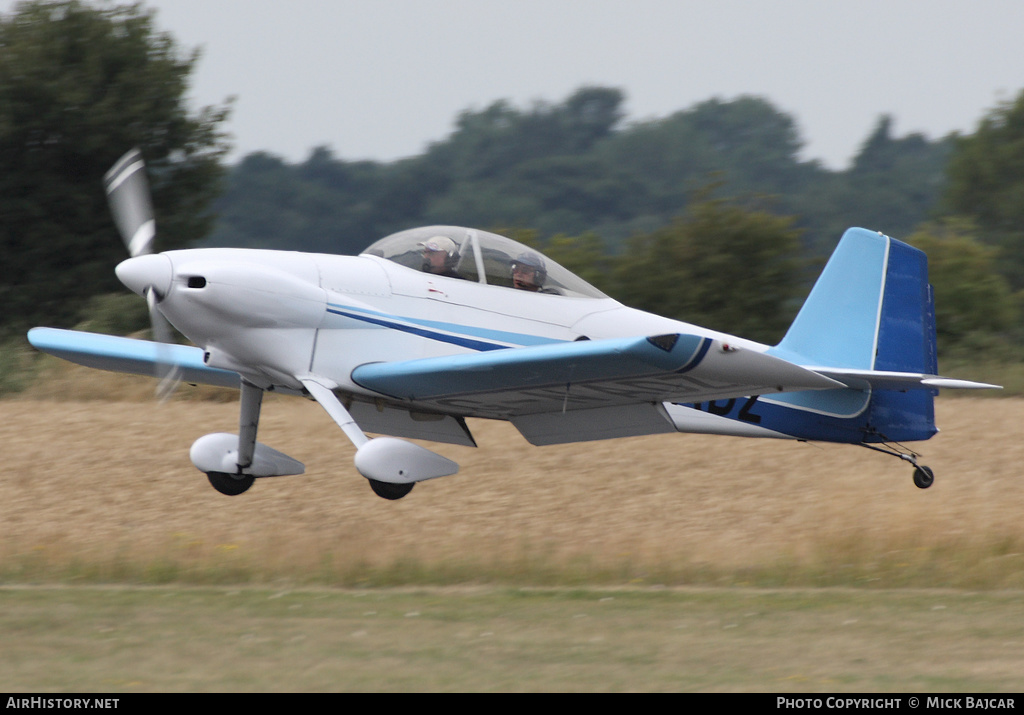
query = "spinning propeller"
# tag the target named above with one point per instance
(146, 273)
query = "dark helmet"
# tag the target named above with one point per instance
(530, 259)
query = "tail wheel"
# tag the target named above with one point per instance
(387, 490)
(923, 477)
(230, 484)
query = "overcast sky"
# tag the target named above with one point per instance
(381, 79)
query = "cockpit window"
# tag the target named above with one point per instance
(480, 256)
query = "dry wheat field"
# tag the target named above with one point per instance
(105, 490)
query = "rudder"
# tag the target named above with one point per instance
(906, 332)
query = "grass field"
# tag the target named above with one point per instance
(677, 562)
(172, 639)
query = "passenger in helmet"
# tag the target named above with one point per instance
(440, 256)
(529, 272)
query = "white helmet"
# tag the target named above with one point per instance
(440, 243)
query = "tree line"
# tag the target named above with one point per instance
(577, 166)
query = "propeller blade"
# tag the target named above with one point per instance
(162, 330)
(163, 333)
(128, 196)
(168, 383)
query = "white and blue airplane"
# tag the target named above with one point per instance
(432, 325)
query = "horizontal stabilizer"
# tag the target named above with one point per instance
(901, 381)
(954, 384)
(137, 357)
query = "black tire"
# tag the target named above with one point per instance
(923, 477)
(387, 490)
(230, 484)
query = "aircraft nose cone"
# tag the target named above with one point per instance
(150, 271)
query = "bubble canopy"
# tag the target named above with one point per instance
(479, 256)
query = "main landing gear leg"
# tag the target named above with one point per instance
(391, 465)
(924, 477)
(329, 401)
(248, 423)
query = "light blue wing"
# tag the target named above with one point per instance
(138, 357)
(586, 375)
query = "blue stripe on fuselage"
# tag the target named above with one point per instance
(461, 335)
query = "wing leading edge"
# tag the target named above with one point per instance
(138, 357)
(587, 375)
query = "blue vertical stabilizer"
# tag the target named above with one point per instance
(871, 309)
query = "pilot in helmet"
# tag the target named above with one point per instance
(529, 272)
(440, 256)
